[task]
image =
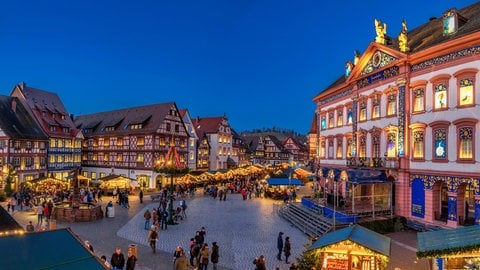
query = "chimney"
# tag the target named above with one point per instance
(14, 105)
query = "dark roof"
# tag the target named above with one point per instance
(44, 100)
(150, 116)
(18, 124)
(431, 34)
(7, 222)
(207, 125)
(357, 234)
(54, 249)
(443, 243)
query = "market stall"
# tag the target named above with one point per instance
(352, 248)
(450, 249)
(113, 181)
(48, 184)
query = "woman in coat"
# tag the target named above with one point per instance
(204, 256)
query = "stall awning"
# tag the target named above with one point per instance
(358, 234)
(444, 243)
(284, 181)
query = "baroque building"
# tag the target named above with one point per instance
(408, 107)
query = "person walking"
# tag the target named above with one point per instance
(287, 248)
(181, 263)
(215, 255)
(147, 217)
(280, 245)
(140, 195)
(131, 261)
(204, 256)
(40, 210)
(153, 237)
(118, 260)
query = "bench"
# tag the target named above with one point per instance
(155, 197)
(415, 225)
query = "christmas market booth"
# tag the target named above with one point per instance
(450, 249)
(113, 181)
(276, 187)
(352, 248)
(50, 184)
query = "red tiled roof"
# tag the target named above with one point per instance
(207, 125)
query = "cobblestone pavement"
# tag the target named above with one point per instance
(243, 229)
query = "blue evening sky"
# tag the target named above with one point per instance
(258, 62)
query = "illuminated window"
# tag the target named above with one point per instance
(140, 141)
(392, 104)
(449, 22)
(330, 120)
(392, 144)
(350, 150)
(363, 111)
(440, 143)
(363, 146)
(466, 92)
(376, 107)
(418, 144)
(440, 96)
(339, 148)
(340, 118)
(323, 123)
(418, 100)
(465, 137)
(349, 116)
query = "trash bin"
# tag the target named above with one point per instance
(52, 224)
(110, 211)
(133, 248)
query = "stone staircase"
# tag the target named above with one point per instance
(312, 222)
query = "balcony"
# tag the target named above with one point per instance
(373, 162)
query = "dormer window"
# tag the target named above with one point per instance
(452, 21)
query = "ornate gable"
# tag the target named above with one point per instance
(378, 60)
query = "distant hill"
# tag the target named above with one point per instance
(280, 133)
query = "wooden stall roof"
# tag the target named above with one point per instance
(444, 243)
(55, 249)
(357, 234)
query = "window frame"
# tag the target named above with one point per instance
(461, 76)
(442, 79)
(436, 128)
(417, 130)
(461, 125)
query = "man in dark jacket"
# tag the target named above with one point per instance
(280, 245)
(214, 256)
(118, 260)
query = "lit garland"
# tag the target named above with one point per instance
(173, 166)
(13, 232)
(447, 252)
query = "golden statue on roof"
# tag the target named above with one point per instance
(403, 38)
(381, 30)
